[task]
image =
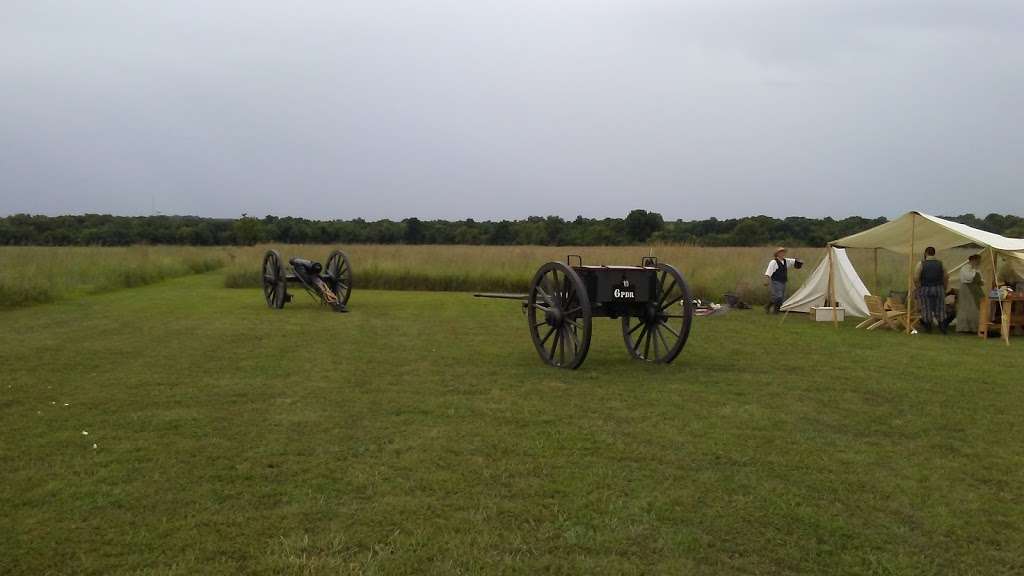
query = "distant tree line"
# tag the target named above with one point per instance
(639, 226)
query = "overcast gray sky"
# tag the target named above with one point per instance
(441, 109)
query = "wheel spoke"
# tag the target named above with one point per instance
(634, 328)
(545, 296)
(569, 291)
(551, 291)
(669, 328)
(670, 303)
(664, 342)
(556, 287)
(665, 296)
(554, 345)
(640, 338)
(647, 344)
(572, 337)
(546, 336)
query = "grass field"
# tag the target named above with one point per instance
(421, 434)
(33, 275)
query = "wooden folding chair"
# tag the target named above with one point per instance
(877, 315)
(898, 311)
(880, 315)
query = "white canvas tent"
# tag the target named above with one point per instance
(912, 232)
(847, 286)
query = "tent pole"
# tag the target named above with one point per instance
(878, 289)
(995, 276)
(832, 290)
(910, 274)
(995, 286)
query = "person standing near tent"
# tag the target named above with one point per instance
(930, 277)
(776, 275)
(968, 299)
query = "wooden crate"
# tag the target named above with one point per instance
(824, 314)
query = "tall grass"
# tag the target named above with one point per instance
(32, 275)
(711, 272)
(35, 275)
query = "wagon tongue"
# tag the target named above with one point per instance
(501, 295)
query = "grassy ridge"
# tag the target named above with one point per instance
(36, 275)
(711, 272)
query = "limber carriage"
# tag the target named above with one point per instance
(653, 301)
(331, 285)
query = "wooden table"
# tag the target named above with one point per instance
(1011, 310)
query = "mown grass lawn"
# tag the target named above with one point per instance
(421, 434)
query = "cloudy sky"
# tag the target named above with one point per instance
(471, 108)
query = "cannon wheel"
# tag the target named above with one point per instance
(339, 269)
(558, 310)
(274, 286)
(660, 334)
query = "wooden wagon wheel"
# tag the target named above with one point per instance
(274, 286)
(339, 270)
(558, 311)
(660, 334)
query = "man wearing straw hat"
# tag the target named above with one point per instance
(776, 275)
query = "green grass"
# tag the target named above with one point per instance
(420, 434)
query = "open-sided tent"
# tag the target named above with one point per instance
(912, 232)
(846, 285)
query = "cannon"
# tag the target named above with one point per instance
(652, 300)
(331, 285)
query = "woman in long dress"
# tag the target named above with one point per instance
(969, 297)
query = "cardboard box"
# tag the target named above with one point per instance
(824, 314)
